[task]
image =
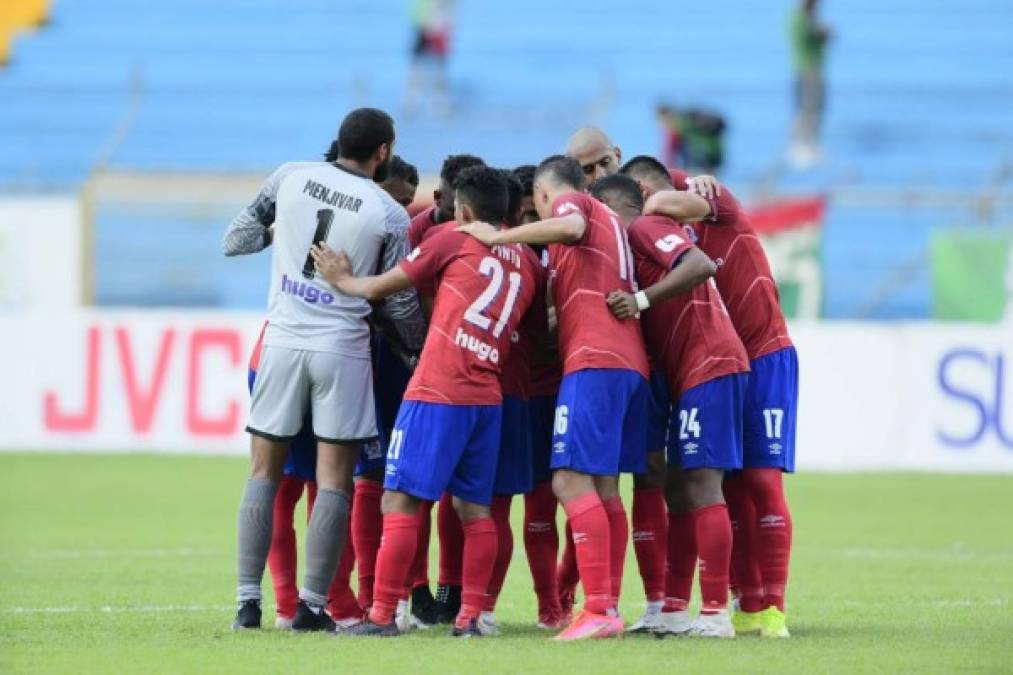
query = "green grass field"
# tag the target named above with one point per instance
(126, 563)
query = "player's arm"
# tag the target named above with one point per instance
(682, 205)
(403, 307)
(252, 230)
(565, 229)
(336, 269)
(692, 269)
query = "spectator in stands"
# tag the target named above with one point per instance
(431, 29)
(693, 138)
(808, 43)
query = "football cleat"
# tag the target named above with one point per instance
(311, 619)
(469, 629)
(773, 623)
(402, 617)
(449, 600)
(247, 615)
(487, 625)
(588, 626)
(747, 623)
(717, 625)
(425, 609)
(650, 622)
(283, 622)
(552, 621)
(674, 623)
(366, 628)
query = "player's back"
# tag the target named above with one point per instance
(515, 377)
(322, 202)
(480, 296)
(691, 335)
(583, 274)
(743, 277)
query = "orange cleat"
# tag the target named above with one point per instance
(588, 626)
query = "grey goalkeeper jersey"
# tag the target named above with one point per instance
(309, 202)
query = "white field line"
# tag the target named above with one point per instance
(113, 609)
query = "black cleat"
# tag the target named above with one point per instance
(469, 632)
(310, 620)
(449, 600)
(425, 609)
(248, 615)
(369, 629)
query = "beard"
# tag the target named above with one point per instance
(380, 174)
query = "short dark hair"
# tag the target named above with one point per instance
(515, 192)
(526, 175)
(362, 133)
(645, 166)
(402, 170)
(485, 191)
(618, 185)
(562, 169)
(453, 165)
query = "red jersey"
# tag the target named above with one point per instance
(545, 378)
(690, 336)
(583, 274)
(516, 376)
(744, 278)
(420, 225)
(481, 295)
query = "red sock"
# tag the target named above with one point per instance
(479, 559)
(592, 547)
(714, 548)
(418, 574)
(567, 575)
(367, 528)
(650, 539)
(745, 567)
(766, 486)
(504, 549)
(397, 548)
(541, 543)
(681, 561)
(619, 538)
(451, 533)
(341, 601)
(282, 557)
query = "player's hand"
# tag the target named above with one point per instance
(333, 267)
(705, 186)
(484, 232)
(622, 304)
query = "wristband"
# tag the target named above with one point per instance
(642, 301)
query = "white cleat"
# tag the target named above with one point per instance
(675, 623)
(650, 622)
(283, 622)
(487, 625)
(717, 625)
(402, 618)
(343, 624)
(417, 623)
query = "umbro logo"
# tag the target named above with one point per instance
(690, 448)
(643, 535)
(579, 538)
(391, 469)
(772, 520)
(775, 448)
(559, 447)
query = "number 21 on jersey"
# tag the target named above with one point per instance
(476, 313)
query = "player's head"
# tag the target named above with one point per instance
(621, 194)
(515, 195)
(481, 194)
(650, 174)
(597, 155)
(402, 181)
(526, 176)
(453, 165)
(555, 175)
(366, 137)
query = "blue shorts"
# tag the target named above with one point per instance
(436, 448)
(770, 410)
(706, 426)
(514, 468)
(301, 459)
(541, 414)
(658, 412)
(390, 379)
(600, 426)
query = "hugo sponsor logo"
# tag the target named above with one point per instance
(309, 293)
(483, 351)
(975, 380)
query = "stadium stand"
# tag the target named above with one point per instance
(226, 87)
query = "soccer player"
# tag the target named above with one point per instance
(594, 151)
(442, 209)
(447, 435)
(718, 225)
(692, 340)
(316, 347)
(599, 421)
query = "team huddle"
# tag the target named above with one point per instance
(537, 331)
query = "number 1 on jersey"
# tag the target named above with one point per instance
(324, 219)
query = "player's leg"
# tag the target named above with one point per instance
(681, 555)
(619, 531)
(282, 558)
(276, 412)
(450, 532)
(541, 537)
(425, 610)
(769, 451)
(746, 579)
(567, 574)
(500, 512)
(367, 528)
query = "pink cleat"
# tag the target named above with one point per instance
(588, 626)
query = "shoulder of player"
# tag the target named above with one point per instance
(395, 216)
